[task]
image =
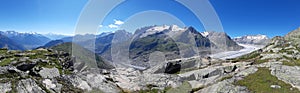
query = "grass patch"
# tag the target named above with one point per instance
(226, 77)
(184, 88)
(292, 63)
(261, 81)
(259, 61)
(5, 62)
(252, 56)
(150, 90)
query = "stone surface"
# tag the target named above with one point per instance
(5, 87)
(288, 74)
(28, 86)
(52, 86)
(49, 72)
(78, 82)
(224, 87)
(246, 72)
(275, 86)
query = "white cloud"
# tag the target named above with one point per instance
(118, 22)
(113, 26)
(100, 26)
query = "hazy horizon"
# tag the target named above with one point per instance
(238, 18)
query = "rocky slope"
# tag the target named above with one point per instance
(85, 58)
(37, 71)
(175, 42)
(222, 41)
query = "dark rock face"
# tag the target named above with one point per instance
(230, 69)
(26, 67)
(172, 68)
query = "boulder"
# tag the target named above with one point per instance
(275, 86)
(49, 72)
(98, 81)
(230, 69)
(5, 87)
(172, 68)
(28, 86)
(54, 87)
(225, 86)
(25, 66)
(78, 82)
(246, 72)
(288, 74)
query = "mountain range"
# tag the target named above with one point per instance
(253, 39)
(182, 63)
(24, 41)
(173, 41)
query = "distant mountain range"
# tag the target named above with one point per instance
(173, 41)
(6, 42)
(54, 36)
(253, 39)
(24, 40)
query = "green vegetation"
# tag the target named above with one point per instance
(83, 55)
(261, 81)
(226, 77)
(184, 88)
(259, 61)
(151, 43)
(292, 63)
(252, 56)
(5, 62)
(152, 90)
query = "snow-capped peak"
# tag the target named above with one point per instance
(158, 29)
(205, 34)
(252, 39)
(176, 28)
(256, 37)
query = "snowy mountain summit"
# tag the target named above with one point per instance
(158, 29)
(252, 39)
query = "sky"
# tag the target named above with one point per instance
(238, 17)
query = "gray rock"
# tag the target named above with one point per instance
(5, 87)
(275, 86)
(98, 81)
(287, 74)
(246, 72)
(49, 72)
(268, 64)
(224, 87)
(78, 82)
(271, 56)
(54, 87)
(202, 73)
(229, 69)
(3, 70)
(28, 86)
(25, 66)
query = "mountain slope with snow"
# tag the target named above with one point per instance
(253, 39)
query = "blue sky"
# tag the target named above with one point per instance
(238, 17)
